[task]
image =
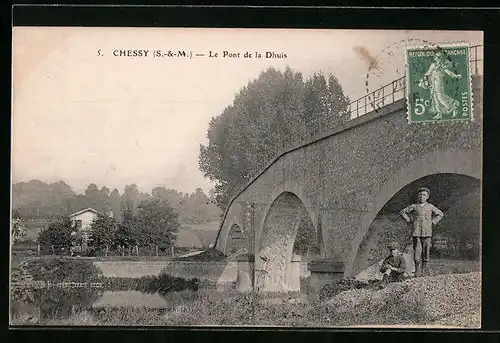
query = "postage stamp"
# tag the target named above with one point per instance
(438, 83)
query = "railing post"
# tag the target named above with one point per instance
(393, 92)
(365, 105)
(383, 96)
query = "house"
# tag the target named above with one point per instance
(81, 220)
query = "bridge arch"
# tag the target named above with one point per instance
(275, 244)
(237, 239)
(287, 187)
(451, 161)
(232, 223)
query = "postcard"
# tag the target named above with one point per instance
(246, 177)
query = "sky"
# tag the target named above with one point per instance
(82, 115)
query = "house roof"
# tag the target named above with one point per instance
(89, 209)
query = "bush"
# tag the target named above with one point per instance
(63, 270)
(166, 283)
(161, 284)
(57, 235)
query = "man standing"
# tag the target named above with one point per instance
(422, 228)
(394, 265)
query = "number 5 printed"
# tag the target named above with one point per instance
(419, 107)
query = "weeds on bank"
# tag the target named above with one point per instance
(236, 309)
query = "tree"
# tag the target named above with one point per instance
(103, 230)
(127, 232)
(56, 236)
(18, 227)
(268, 115)
(174, 198)
(114, 203)
(129, 197)
(92, 193)
(102, 199)
(157, 223)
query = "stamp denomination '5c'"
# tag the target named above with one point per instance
(438, 83)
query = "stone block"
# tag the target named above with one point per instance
(323, 271)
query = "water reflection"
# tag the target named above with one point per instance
(35, 304)
(52, 303)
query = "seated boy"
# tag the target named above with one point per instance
(394, 265)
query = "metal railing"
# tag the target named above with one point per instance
(385, 95)
(396, 90)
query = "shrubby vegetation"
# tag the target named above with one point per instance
(161, 284)
(63, 270)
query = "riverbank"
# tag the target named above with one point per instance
(452, 300)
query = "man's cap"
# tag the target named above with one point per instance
(421, 189)
(393, 245)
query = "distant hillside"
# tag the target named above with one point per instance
(37, 199)
(40, 200)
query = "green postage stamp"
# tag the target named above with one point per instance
(438, 83)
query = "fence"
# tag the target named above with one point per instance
(396, 90)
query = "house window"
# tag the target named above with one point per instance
(78, 224)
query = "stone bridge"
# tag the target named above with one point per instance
(340, 181)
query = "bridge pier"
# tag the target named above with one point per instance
(245, 281)
(323, 271)
(245, 277)
(294, 276)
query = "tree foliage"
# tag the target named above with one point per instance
(271, 113)
(156, 223)
(57, 235)
(103, 230)
(18, 227)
